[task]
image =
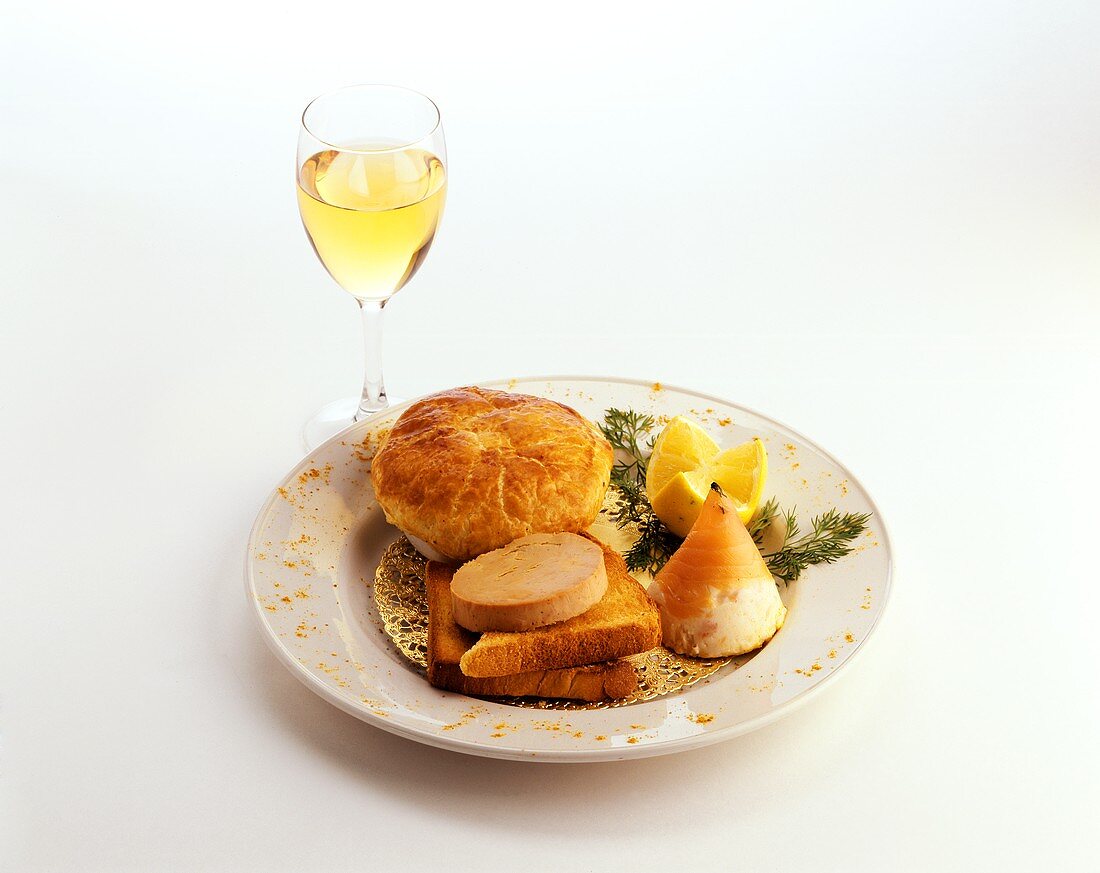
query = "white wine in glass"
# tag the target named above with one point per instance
(372, 183)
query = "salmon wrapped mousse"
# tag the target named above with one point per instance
(716, 595)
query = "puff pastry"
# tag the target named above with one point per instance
(469, 470)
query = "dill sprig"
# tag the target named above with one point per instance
(629, 434)
(829, 540)
(627, 430)
(654, 546)
(763, 519)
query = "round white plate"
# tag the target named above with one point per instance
(316, 543)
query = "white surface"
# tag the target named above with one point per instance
(875, 221)
(316, 544)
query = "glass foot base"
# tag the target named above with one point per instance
(330, 420)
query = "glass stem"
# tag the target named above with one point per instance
(374, 391)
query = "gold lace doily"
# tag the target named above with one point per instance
(403, 607)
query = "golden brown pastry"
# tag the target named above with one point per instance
(469, 470)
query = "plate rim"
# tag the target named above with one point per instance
(641, 750)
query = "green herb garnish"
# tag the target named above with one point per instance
(768, 510)
(624, 429)
(628, 432)
(830, 539)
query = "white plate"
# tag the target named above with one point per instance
(316, 543)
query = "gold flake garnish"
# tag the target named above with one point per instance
(402, 602)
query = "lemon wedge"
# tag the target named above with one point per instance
(681, 500)
(686, 460)
(741, 472)
(681, 447)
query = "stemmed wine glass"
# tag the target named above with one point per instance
(372, 182)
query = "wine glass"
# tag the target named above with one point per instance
(372, 182)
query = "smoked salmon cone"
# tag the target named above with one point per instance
(716, 595)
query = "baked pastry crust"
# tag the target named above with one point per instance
(471, 469)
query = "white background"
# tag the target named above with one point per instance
(877, 221)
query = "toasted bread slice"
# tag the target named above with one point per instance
(625, 622)
(613, 680)
(447, 643)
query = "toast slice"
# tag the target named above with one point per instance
(613, 680)
(447, 643)
(624, 622)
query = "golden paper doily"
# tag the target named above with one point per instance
(403, 606)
